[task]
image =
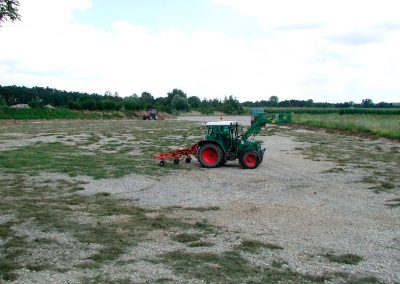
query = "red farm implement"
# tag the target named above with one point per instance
(177, 154)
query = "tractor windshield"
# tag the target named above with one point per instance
(224, 133)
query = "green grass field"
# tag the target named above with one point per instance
(314, 110)
(57, 113)
(379, 125)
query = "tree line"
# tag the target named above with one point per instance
(175, 101)
(273, 101)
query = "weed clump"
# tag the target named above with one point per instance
(254, 246)
(344, 258)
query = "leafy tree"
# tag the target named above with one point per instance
(147, 100)
(367, 103)
(231, 106)
(171, 95)
(194, 102)
(37, 102)
(131, 103)
(309, 103)
(178, 92)
(88, 103)
(74, 105)
(179, 103)
(273, 101)
(108, 104)
(2, 102)
(9, 10)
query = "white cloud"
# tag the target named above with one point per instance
(345, 50)
(304, 53)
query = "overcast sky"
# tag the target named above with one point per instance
(324, 50)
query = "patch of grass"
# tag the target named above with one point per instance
(393, 203)
(344, 258)
(57, 113)
(334, 170)
(165, 280)
(187, 238)
(132, 145)
(352, 279)
(13, 247)
(380, 125)
(255, 246)
(117, 224)
(57, 157)
(288, 276)
(228, 267)
(200, 244)
(206, 227)
(106, 280)
(378, 163)
(201, 209)
(278, 263)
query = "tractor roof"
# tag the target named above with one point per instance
(220, 123)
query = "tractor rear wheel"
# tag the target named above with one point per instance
(210, 155)
(250, 159)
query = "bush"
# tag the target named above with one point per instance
(35, 104)
(131, 104)
(2, 103)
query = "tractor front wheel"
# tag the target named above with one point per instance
(210, 155)
(250, 159)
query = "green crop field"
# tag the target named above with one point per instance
(57, 113)
(379, 125)
(312, 110)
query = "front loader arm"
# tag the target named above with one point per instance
(256, 127)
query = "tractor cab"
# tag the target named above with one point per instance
(223, 132)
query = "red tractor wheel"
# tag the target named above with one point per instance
(210, 155)
(249, 159)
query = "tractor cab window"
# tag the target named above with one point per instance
(210, 131)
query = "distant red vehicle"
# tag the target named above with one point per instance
(151, 115)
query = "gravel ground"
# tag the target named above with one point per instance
(288, 200)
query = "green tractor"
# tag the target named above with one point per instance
(223, 143)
